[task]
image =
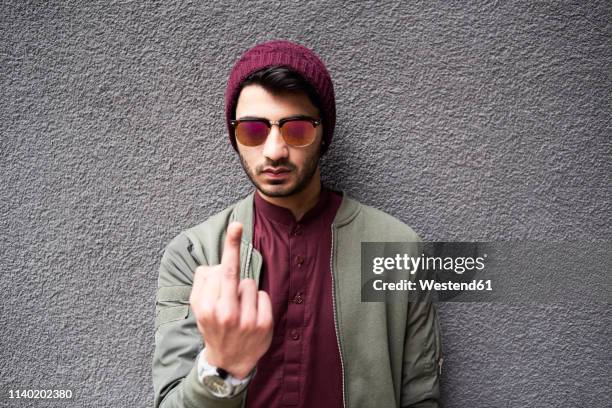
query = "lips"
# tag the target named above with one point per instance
(276, 172)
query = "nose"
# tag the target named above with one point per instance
(275, 147)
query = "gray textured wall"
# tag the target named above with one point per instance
(471, 121)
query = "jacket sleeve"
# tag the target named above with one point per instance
(422, 357)
(177, 339)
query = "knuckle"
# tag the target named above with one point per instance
(201, 323)
(248, 283)
(207, 312)
(227, 318)
(265, 324)
(229, 272)
(248, 286)
(248, 325)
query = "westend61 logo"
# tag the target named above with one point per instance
(410, 264)
(428, 264)
(509, 271)
(394, 270)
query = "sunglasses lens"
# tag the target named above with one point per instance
(299, 132)
(251, 133)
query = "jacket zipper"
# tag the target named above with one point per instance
(331, 268)
(247, 272)
(438, 338)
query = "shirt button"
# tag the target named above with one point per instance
(295, 335)
(298, 299)
(299, 260)
(297, 230)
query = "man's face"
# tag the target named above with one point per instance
(275, 168)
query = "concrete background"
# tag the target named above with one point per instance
(468, 121)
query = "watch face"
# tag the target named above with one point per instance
(217, 386)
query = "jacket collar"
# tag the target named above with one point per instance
(348, 210)
(250, 259)
(243, 213)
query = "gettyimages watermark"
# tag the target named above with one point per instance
(515, 271)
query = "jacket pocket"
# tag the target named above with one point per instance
(171, 314)
(172, 304)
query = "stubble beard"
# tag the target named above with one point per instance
(304, 175)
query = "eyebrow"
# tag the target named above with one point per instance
(285, 118)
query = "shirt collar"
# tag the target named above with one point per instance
(283, 215)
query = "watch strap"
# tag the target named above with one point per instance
(206, 369)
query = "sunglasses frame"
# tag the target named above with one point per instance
(279, 123)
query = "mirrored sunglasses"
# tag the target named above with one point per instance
(296, 132)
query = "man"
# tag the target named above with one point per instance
(260, 305)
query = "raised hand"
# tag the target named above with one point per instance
(234, 318)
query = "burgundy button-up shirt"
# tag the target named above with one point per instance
(302, 366)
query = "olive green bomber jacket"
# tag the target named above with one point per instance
(390, 351)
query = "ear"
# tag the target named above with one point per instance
(322, 149)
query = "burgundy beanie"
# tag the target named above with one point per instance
(295, 57)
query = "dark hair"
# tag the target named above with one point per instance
(280, 79)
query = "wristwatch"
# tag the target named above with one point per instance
(219, 382)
